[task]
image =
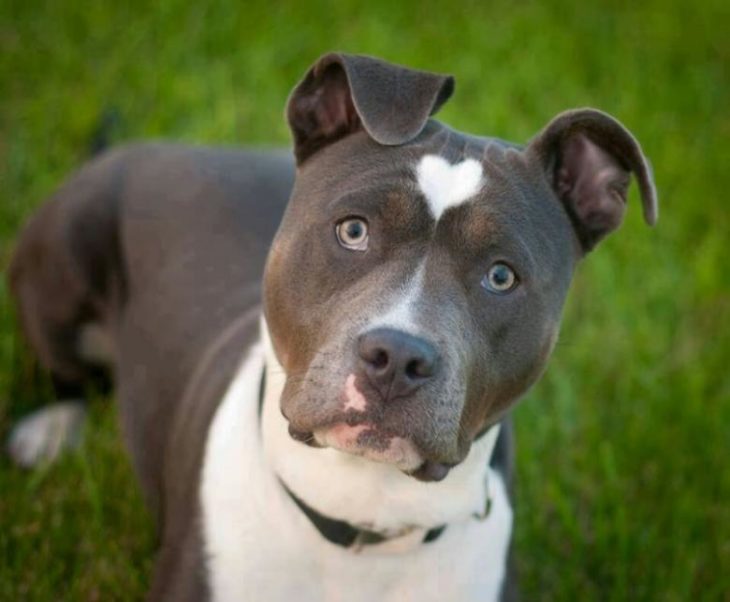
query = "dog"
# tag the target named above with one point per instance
(341, 431)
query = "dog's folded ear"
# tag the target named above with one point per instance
(588, 157)
(342, 93)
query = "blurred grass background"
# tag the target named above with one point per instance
(623, 472)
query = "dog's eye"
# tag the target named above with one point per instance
(500, 278)
(352, 233)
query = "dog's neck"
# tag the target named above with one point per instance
(362, 492)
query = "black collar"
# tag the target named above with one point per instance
(346, 535)
(335, 531)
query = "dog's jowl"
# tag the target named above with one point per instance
(320, 412)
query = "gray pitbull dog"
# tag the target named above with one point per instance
(340, 432)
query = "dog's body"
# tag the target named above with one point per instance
(375, 344)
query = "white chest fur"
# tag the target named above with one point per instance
(260, 547)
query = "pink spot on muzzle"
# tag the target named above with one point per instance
(354, 399)
(343, 436)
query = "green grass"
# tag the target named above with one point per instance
(624, 479)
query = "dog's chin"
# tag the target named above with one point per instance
(366, 441)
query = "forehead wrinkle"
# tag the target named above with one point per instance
(493, 159)
(366, 198)
(444, 145)
(465, 149)
(526, 252)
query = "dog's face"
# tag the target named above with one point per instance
(414, 290)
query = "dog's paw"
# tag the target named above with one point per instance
(41, 436)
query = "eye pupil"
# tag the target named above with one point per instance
(501, 275)
(354, 229)
(352, 233)
(499, 279)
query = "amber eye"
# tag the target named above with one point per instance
(500, 278)
(352, 233)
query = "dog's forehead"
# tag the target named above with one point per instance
(440, 170)
(451, 168)
(482, 183)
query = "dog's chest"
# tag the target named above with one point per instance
(260, 546)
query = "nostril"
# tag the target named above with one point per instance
(416, 369)
(380, 359)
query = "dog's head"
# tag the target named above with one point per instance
(414, 290)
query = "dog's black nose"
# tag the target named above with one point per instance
(395, 362)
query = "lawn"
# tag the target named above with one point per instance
(623, 448)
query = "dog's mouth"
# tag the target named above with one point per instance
(348, 414)
(368, 441)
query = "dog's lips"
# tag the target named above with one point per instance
(369, 442)
(431, 471)
(351, 437)
(304, 433)
(303, 436)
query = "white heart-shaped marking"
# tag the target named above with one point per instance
(445, 185)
